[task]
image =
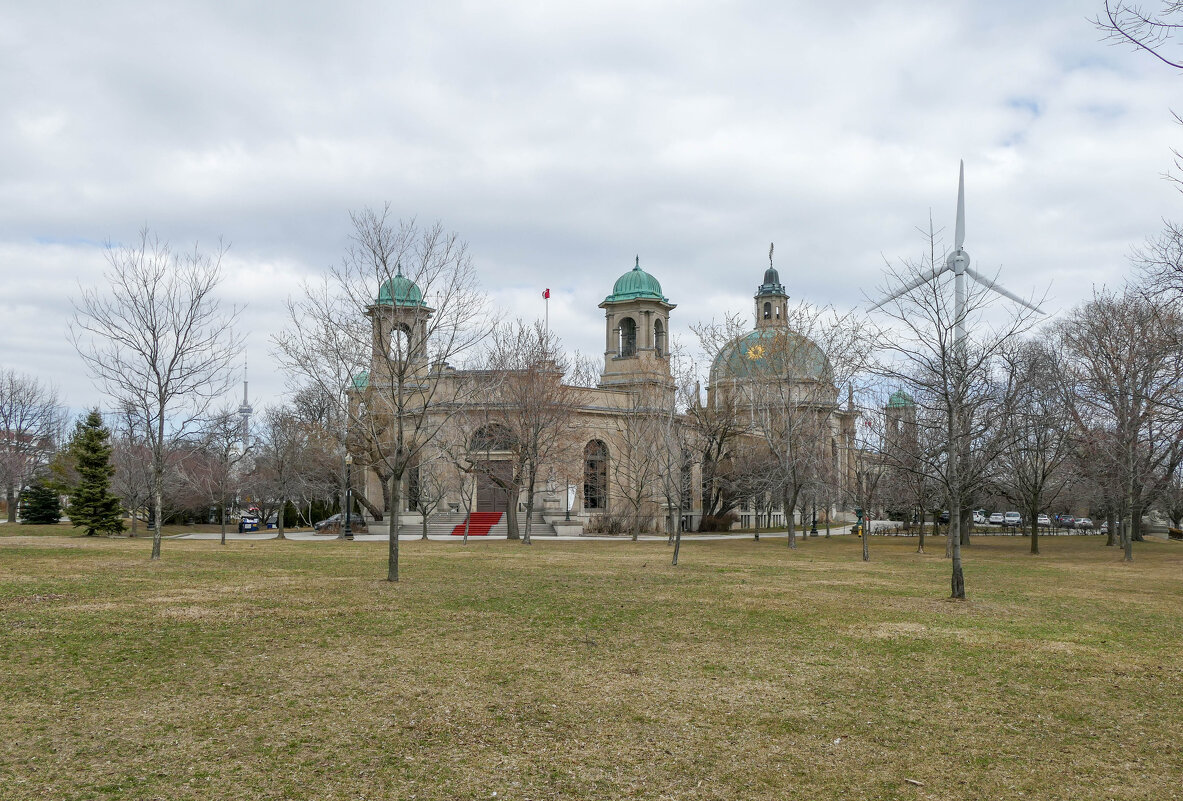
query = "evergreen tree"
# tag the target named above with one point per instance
(92, 505)
(40, 504)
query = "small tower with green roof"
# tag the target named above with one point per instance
(636, 333)
(398, 322)
(900, 415)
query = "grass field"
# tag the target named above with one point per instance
(588, 670)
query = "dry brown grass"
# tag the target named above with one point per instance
(588, 670)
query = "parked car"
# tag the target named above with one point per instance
(1043, 521)
(332, 525)
(1068, 521)
(996, 519)
(1084, 523)
(979, 518)
(944, 518)
(248, 523)
(1104, 529)
(1012, 519)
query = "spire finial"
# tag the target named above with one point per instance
(771, 245)
(637, 266)
(398, 267)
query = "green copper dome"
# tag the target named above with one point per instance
(636, 283)
(400, 291)
(361, 381)
(900, 400)
(772, 353)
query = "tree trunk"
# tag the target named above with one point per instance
(361, 498)
(1136, 533)
(511, 507)
(283, 505)
(1111, 535)
(423, 516)
(10, 497)
(678, 531)
(223, 516)
(529, 505)
(757, 518)
(966, 529)
(1034, 531)
(920, 548)
(790, 506)
(958, 580)
(866, 538)
(158, 504)
(468, 510)
(392, 539)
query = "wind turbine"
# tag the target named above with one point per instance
(958, 263)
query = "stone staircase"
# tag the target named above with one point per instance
(442, 525)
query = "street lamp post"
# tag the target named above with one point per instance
(347, 532)
(813, 526)
(567, 498)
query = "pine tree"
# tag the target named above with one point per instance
(40, 504)
(92, 505)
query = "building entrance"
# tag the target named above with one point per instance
(491, 496)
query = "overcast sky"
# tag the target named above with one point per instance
(561, 139)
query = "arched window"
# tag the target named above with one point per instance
(767, 310)
(659, 337)
(400, 342)
(595, 475)
(628, 337)
(493, 437)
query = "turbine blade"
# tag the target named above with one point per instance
(908, 287)
(959, 236)
(986, 282)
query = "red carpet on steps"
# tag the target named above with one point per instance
(479, 524)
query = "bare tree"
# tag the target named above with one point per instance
(1152, 32)
(532, 403)
(1122, 373)
(132, 460)
(31, 419)
(225, 447)
(390, 353)
(1033, 469)
(638, 461)
(957, 384)
(158, 342)
(793, 376)
(432, 485)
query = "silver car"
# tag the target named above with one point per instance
(1012, 519)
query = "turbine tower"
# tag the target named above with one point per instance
(958, 264)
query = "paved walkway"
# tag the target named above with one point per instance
(308, 536)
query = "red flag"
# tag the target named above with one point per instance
(546, 294)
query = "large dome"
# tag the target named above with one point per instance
(400, 291)
(773, 352)
(636, 283)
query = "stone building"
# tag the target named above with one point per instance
(625, 457)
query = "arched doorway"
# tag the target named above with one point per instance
(491, 449)
(595, 475)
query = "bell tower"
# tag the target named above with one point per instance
(772, 302)
(398, 324)
(636, 334)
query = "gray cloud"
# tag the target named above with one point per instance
(562, 139)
